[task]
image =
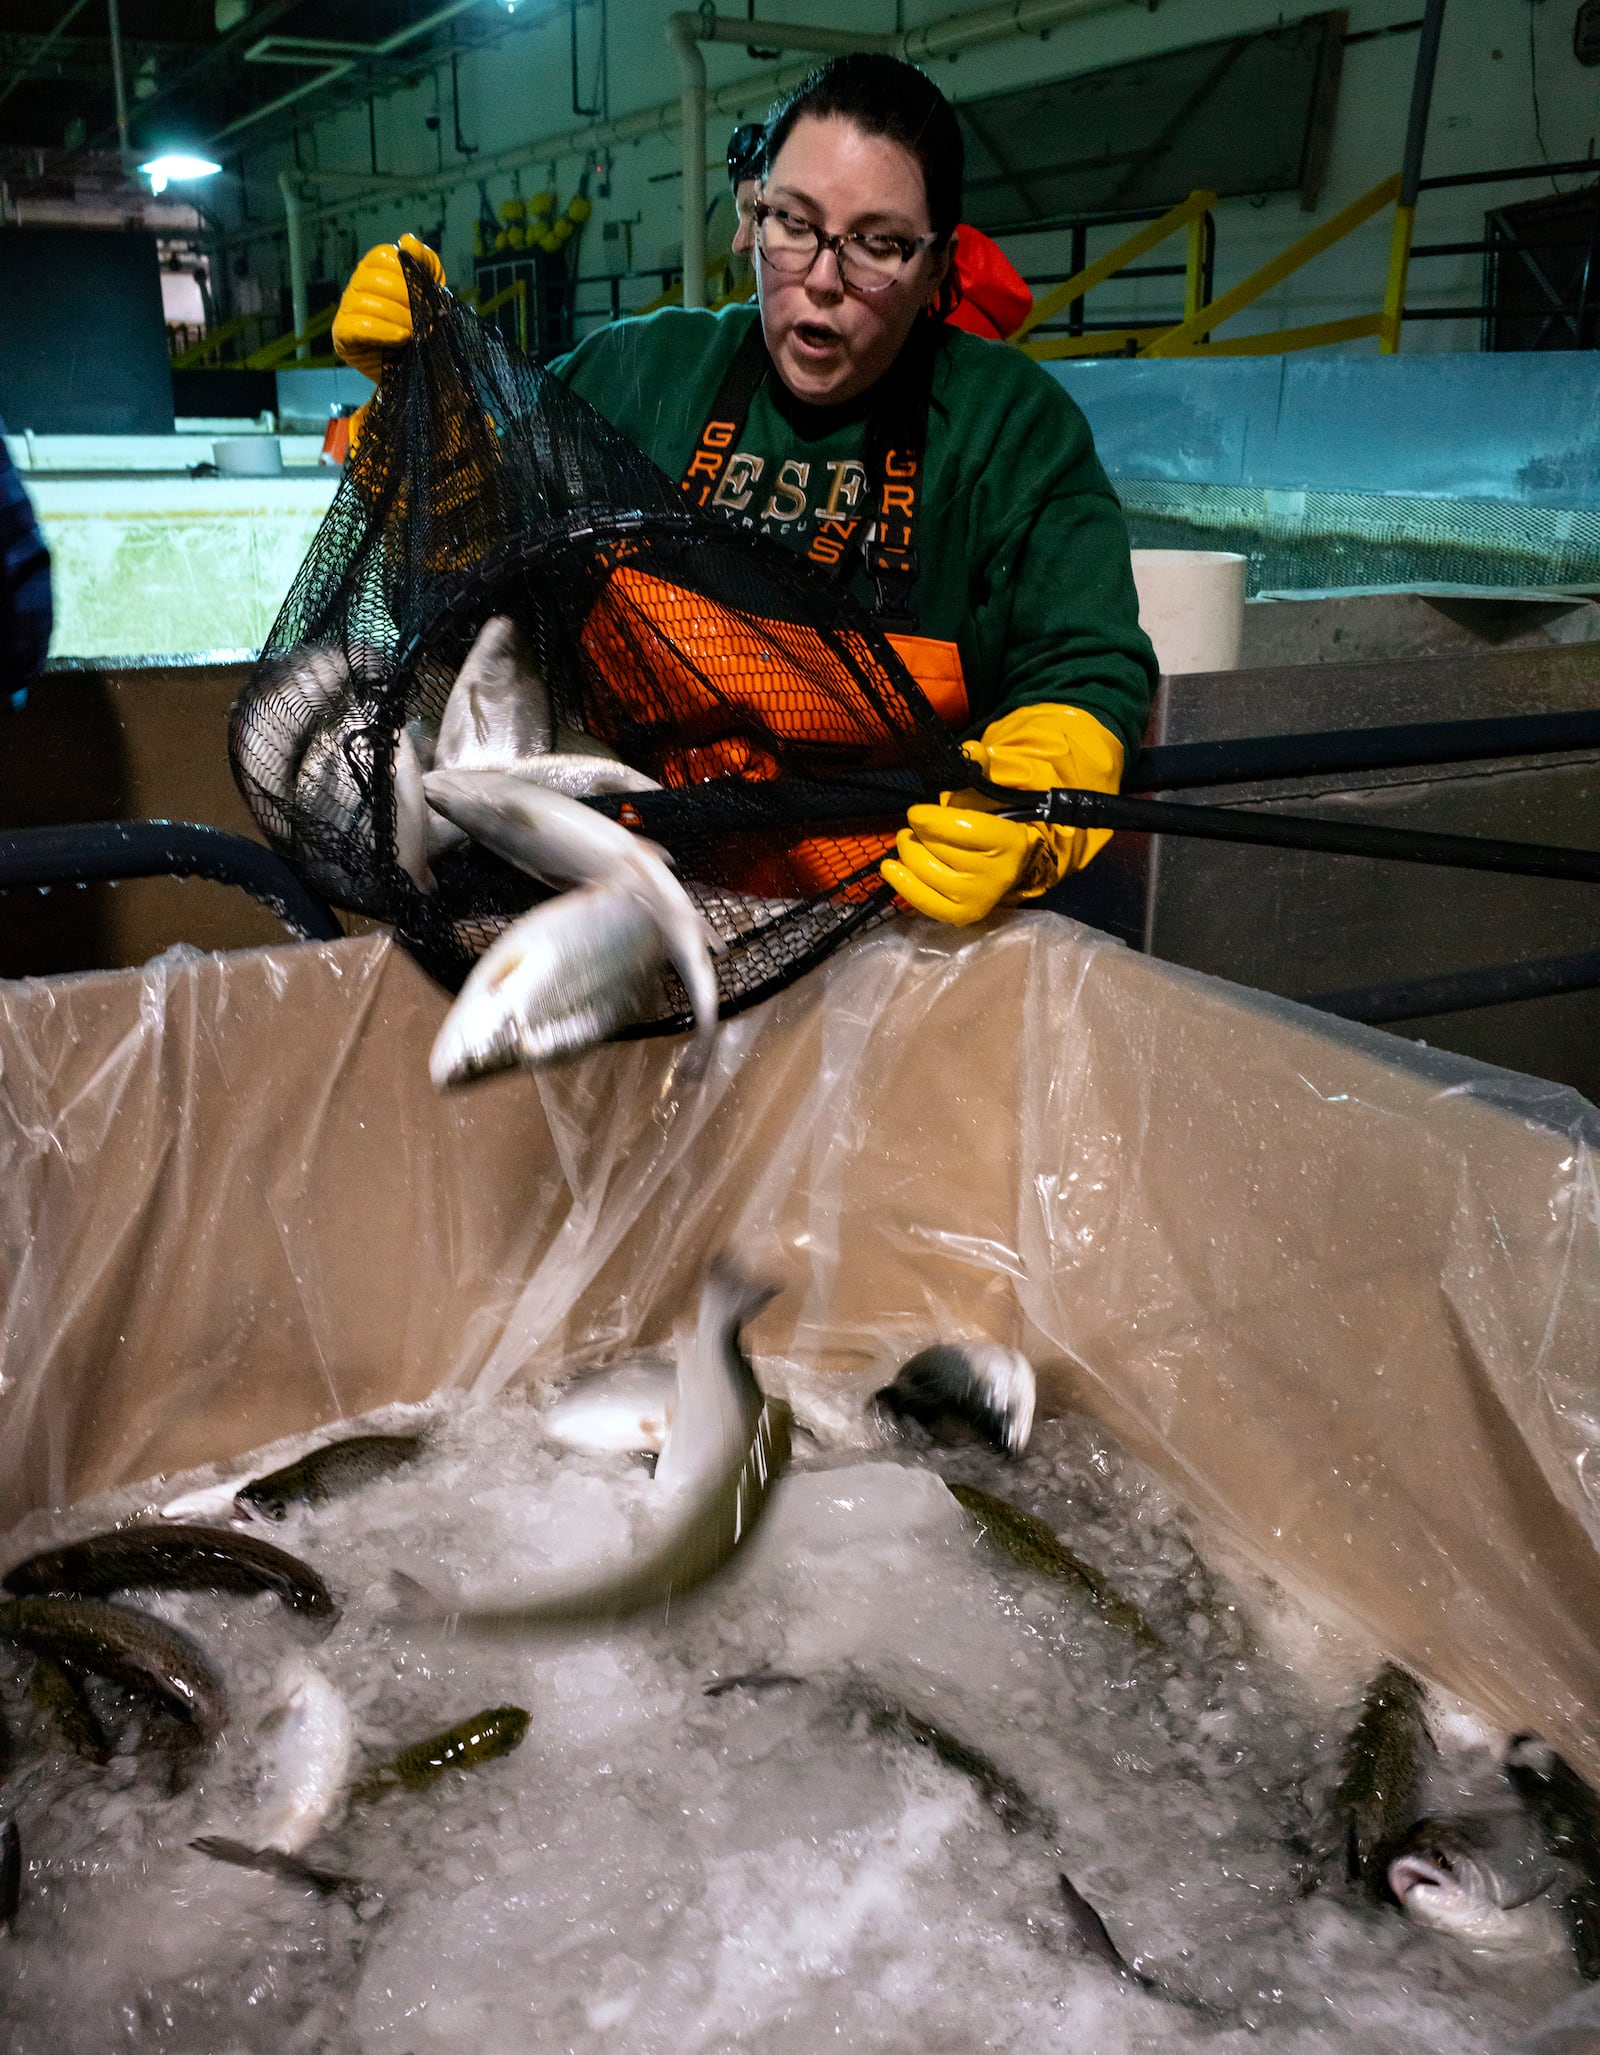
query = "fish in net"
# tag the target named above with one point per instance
(782, 735)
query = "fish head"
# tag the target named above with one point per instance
(1451, 1880)
(255, 1503)
(560, 980)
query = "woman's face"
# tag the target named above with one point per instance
(828, 340)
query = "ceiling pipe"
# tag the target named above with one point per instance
(119, 90)
(299, 298)
(686, 32)
(785, 35)
(944, 38)
(682, 35)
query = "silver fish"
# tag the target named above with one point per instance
(628, 1409)
(132, 1647)
(731, 1444)
(562, 979)
(498, 718)
(498, 709)
(326, 785)
(299, 691)
(314, 1743)
(205, 1502)
(976, 1384)
(1474, 1881)
(581, 773)
(566, 843)
(1566, 1812)
(411, 813)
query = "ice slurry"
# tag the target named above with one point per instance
(886, 1784)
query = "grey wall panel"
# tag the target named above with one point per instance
(83, 344)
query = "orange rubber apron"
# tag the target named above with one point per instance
(715, 663)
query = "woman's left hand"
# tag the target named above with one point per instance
(959, 860)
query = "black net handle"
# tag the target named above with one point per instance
(93, 851)
(1065, 807)
(865, 801)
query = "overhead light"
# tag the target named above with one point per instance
(176, 164)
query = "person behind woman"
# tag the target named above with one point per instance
(949, 480)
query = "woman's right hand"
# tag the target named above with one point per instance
(374, 314)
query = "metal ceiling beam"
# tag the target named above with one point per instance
(342, 67)
(43, 45)
(214, 59)
(942, 38)
(82, 60)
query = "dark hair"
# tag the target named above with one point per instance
(747, 152)
(884, 96)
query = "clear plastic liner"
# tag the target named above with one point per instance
(1339, 1290)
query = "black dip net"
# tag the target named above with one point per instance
(786, 734)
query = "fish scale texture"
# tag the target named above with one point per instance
(785, 732)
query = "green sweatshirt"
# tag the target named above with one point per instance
(1021, 547)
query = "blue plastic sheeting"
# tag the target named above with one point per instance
(1521, 426)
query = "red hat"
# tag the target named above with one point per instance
(995, 297)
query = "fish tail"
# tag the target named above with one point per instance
(730, 1297)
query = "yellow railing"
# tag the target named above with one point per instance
(516, 291)
(1189, 214)
(1194, 335)
(283, 347)
(210, 345)
(1191, 337)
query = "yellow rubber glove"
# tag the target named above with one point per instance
(374, 314)
(958, 861)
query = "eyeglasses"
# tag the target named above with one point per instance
(867, 262)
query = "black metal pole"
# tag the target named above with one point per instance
(1068, 808)
(98, 850)
(1421, 100)
(1256, 758)
(1462, 991)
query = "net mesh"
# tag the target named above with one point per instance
(786, 734)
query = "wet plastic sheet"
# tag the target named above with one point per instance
(1341, 1291)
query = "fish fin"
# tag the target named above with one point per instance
(989, 1388)
(751, 1680)
(414, 1600)
(293, 1869)
(1089, 1929)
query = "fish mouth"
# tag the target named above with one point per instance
(1410, 1874)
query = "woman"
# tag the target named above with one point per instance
(950, 480)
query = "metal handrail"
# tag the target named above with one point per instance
(99, 851)
(1254, 759)
(1462, 991)
(1190, 214)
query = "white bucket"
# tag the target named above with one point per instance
(1191, 605)
(248, 456)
